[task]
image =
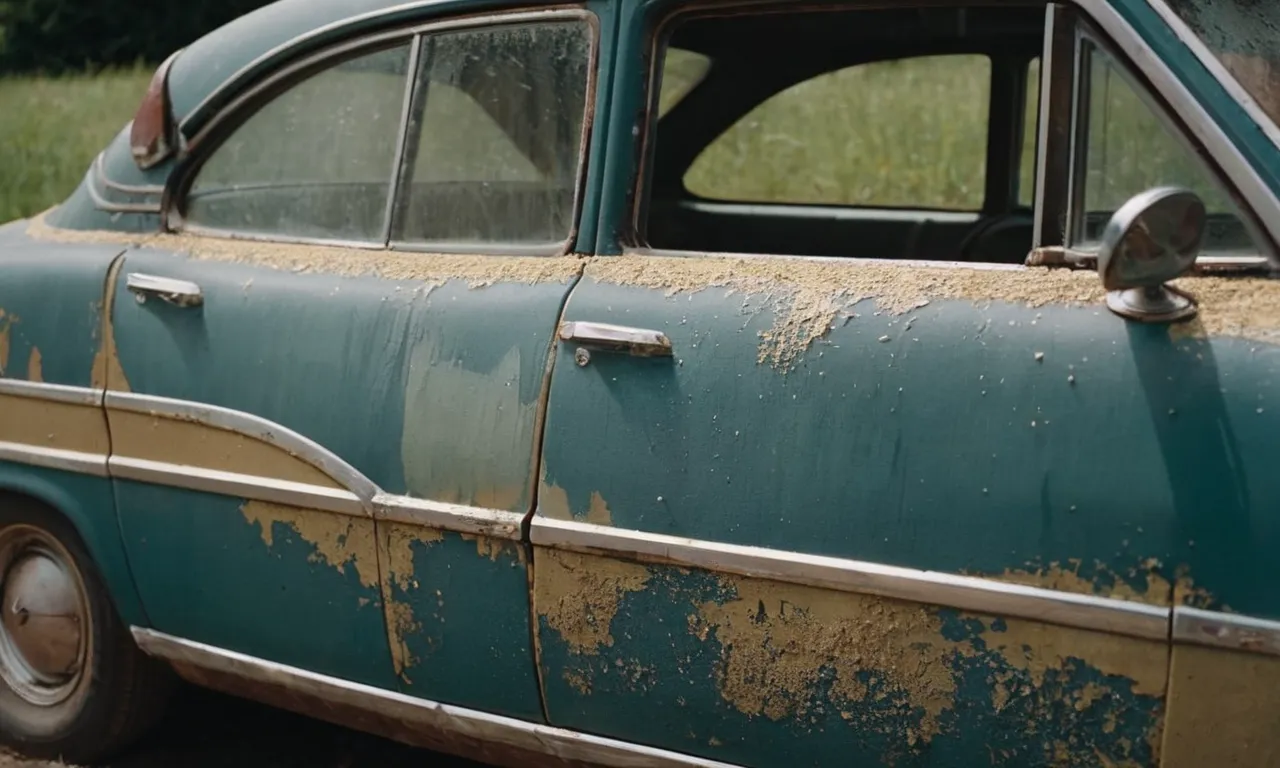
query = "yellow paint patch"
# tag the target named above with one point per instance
(807, 295)
(35, 368)
(1224, 709)
(1039, 648)
(397, 556)
(553, 502)
(1065, 577)
(49, 424)
(578, 595)
(339, 540)
(493, 548)
(107, 371)
(189, 443)
(598, 512)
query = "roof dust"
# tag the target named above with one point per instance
(398, 543)
(40, 229)
(35, 368)
(339, 540)
(1243, 307)
(578, 595)
(808, 294)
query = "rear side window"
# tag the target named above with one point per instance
(315, 162)
(907, 133)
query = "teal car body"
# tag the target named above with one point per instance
(396, 365)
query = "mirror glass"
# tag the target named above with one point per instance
(1152, 238)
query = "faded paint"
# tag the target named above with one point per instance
(398, 541)
(35, 371)
(107, 371)
(50, 424)
(578, 595)
(478, 456)
(553, 501)
(1224, 709)
(339, 540)
(193, 444)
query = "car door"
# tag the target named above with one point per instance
(803, 511)
(329, 380)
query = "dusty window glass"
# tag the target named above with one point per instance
(908, 133)
(1030, 136)
(1130, 147)
(495, 136)
(316, 161)
(1245, 36)
(682, 70)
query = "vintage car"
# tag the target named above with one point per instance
(665, 383)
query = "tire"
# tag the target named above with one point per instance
(73, 684)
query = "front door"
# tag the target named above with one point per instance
(326, 389)
(865, 510)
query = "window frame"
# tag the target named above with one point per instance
(214, 133)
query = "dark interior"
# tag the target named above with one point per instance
(756, 56)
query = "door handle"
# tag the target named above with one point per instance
(639, 342)
(179, 293)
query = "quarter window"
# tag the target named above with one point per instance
(316, 162)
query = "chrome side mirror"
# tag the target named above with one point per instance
(1153, 238)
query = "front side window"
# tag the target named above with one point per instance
(1129, 146)
(494, 142)
(904, 133)
(315, 162)
(1243, 35)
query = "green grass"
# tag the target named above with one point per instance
(51, 129)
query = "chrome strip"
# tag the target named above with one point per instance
(418, 714)
(966, 593)
(103, 204)
(1226, 630)
(54, 458)
(1203, 127)
(267, 489)
(1217, 69)
(100, 168)
(450, 517)
(253, 426)
(59, 393)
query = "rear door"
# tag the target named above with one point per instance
(803, 511)
(324, 445)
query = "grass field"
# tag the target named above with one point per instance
(901, 134)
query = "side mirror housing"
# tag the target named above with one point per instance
(1153, 238)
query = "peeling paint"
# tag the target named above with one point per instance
(339, 540)
(598, 512)
(398, 557)
(480, 456)
(553, 502)
(107, 372)
(35, 370)
(1098, 579)
(493, 548)
(578, 595)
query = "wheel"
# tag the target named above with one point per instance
(73, 685)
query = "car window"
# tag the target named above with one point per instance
(682, 70)
(315, 162)
(908, 133)
(1130, 147)
(1030, 136)
(495, 136)
(1243, 34)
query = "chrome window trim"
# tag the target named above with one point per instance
(402, 138)
(60, 393)
(1217, 69)
(172, 214)
(1216, 629)
(103, 204)
(94, 464)
(420, 715)
(966, 593)
(249, 425)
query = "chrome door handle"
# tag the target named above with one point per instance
(640, 342)
(179, 293)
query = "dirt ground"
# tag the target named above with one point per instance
(206, 730)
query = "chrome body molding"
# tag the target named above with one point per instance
(450, 517)
(235, 484)
(103, 204)
(966, 593)
(256, 427)
(1203, 127)
(1226, 630)
(100, 168)
(54, 458)
(416, 714)
(1230, 84)
(58, 393)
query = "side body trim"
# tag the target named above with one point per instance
(54, 458)
(1226, 630)
(58, 393)
(416, 714)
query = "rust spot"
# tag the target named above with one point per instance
(339, 540)
(578, 595)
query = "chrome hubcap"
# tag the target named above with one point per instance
(43, 619)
